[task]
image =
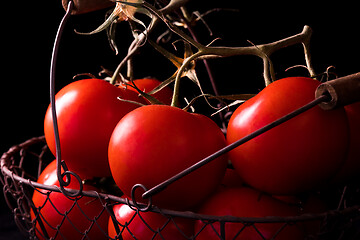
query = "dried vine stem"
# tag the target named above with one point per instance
(263, 51)
(173, 5)
(139, 40)
(207, 52)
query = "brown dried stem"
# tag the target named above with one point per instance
(263, 51)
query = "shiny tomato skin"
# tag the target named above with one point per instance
(87, 112)
(155, 142)
(247, 202)
(148, 84)
(298, 155)
(53, 218)
(138, 225)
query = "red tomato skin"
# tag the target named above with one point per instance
(298, 155)
(351, 167)
(125, 215)
(148, 84)
(52, 217)
(246, 202)
(87, 112)
(153, 143)
(231, 179)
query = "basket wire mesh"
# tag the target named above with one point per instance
(22, 164)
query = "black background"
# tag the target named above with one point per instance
(29, 30)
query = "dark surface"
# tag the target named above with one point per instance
(8, 228)
(25, 75)
(31, 29)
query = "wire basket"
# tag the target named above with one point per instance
(92, 214)
(22, 164)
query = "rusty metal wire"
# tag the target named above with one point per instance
(20, 167)
(22, 164)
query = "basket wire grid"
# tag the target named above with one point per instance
(22, 164)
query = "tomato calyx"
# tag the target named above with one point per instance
(143, 94)
(184, 67)
(121, 82)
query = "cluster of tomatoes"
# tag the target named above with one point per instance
(104, 134)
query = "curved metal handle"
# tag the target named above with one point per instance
(160, 187)
(59, 162)
(343, 91)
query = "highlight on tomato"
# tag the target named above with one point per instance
(72, 217)
(87, 112)
(153, 143)
(301, 154)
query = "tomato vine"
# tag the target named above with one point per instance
(172, 15)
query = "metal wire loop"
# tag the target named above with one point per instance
(139, 206)
(72, 192)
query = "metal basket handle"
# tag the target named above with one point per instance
(331, 94)
(59, 162)
(343, 91)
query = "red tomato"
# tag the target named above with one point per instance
(231, 179)
(246, 202)
(54, 206)
(87, 112)
(148, 84)
(298, 155)
(155, 142)
(144, 225)
(310, 204)
(351, 166)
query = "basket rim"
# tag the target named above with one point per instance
(4, 163)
